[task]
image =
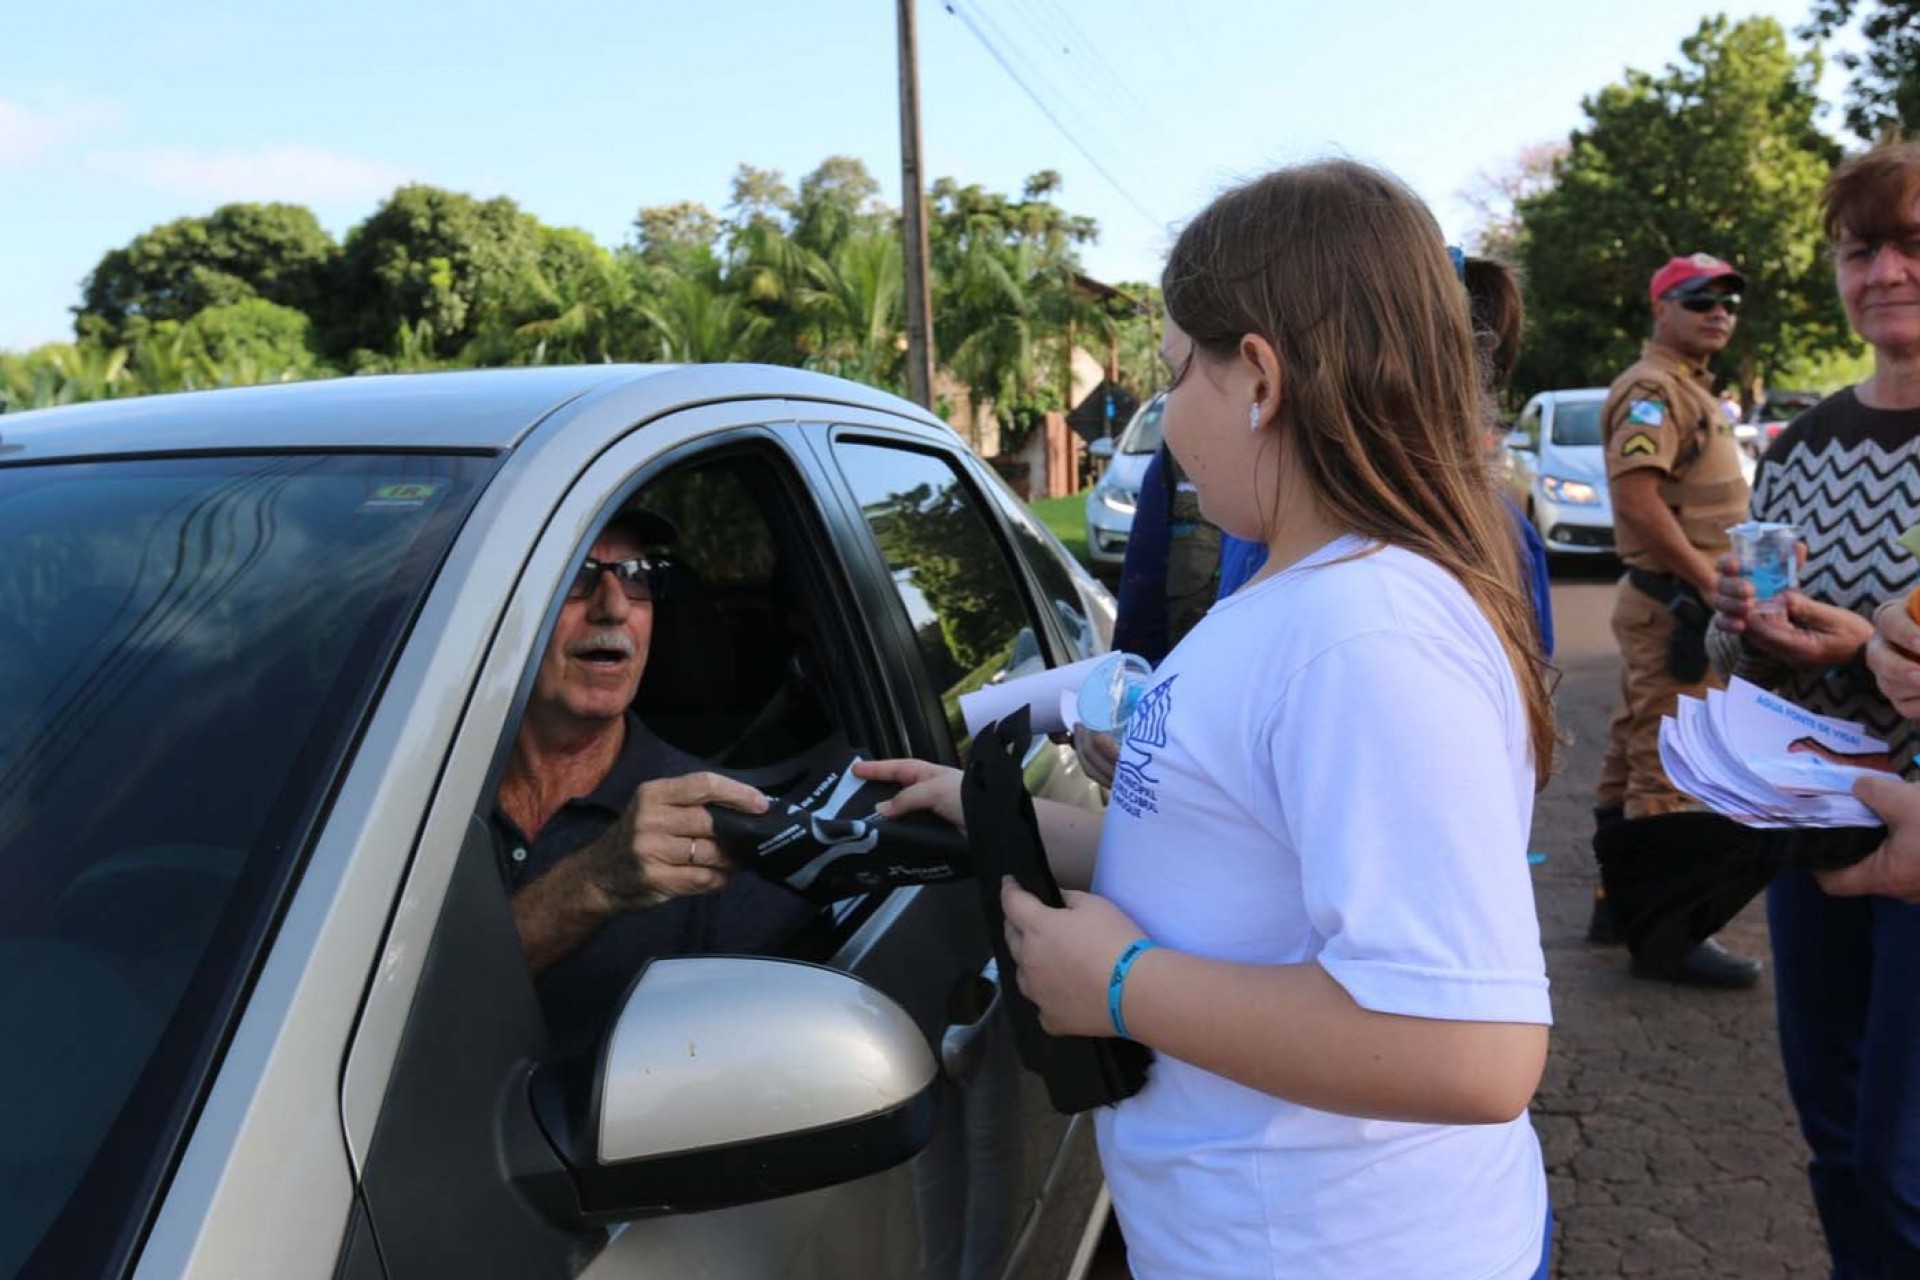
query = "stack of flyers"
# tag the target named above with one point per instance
(1764, 762)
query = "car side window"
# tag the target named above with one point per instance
(733, 674)
(1049, 561)
(970, 618)
(1526, 432)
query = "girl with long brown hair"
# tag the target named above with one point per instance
(1310, 892)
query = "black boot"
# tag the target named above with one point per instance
(1707, 965)
(1600, 929)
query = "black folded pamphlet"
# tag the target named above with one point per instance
(1081, 1072)
(820, 835)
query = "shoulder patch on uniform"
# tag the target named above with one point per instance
(1648, 413)
(1638, 445)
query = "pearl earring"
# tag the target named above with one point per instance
(1253, 418)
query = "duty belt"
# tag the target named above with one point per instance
(1661, 586)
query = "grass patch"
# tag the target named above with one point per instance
(1067, 518)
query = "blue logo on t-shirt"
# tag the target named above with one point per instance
(1134, 789)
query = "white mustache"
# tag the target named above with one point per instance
(619, 641)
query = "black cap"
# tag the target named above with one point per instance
(647, 528)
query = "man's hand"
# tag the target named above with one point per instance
(1809, 633)
(1892, 870)
(663, 845)
(1894, 657)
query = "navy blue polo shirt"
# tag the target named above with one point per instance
(580, 993)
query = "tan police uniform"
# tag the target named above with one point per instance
(1661, 414)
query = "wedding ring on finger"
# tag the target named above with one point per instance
(693, 851)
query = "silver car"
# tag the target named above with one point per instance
(1112, 500)
(261, 656)
(1555, 469)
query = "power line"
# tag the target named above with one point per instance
(954, 7)
(1036, 73)
(1085, 44)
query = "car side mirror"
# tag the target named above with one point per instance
(731, 1079)
(1101, 448)
(1520, 442)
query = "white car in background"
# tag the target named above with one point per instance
(1111, 501)
(1555, 468)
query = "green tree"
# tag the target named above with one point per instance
(277, 252)
(1006, 306)
(66, 373)
(271, 341)
(855, 307)
(1718, 153)
(1884, 98)
(574, 304)
(430, 256)
(692, 322)
(837, 201)
(683, 237)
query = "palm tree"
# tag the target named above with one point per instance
(855, 306)
(695, 323)
(574, 316)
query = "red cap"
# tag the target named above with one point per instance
(1692, 273)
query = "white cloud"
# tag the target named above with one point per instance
(27, 133)
(303, 175)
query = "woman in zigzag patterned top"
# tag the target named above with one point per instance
(1848, 473)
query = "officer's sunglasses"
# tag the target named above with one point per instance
(640, 580)
(1702, 303)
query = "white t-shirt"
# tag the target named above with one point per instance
(1333, 765)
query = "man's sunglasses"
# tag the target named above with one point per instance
(1700, 304)
(640, 580)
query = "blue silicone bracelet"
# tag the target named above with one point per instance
(1117, 984)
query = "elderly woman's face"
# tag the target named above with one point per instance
(1880, 285)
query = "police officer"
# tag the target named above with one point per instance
(1673, 469)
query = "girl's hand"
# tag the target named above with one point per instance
(925, 786)
(1099, 753)
(1065, 956)
(1894, 657)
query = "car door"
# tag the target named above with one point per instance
(972, 592)
(432, 1091)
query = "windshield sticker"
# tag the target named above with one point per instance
(402, 495)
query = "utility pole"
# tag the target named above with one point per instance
(913, 213)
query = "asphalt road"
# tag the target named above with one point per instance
(1670, 1145)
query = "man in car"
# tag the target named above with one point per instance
(607, 842)
(1673, 468)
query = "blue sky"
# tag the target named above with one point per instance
(116, 116)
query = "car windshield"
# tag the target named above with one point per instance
(189, 646)
(1143, 433)
(1577, 422)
